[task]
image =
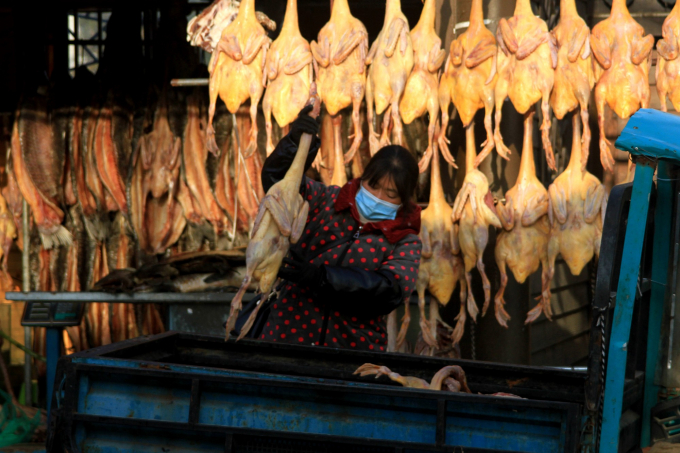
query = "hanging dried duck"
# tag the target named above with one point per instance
(390, 63)
(578, 203)
(522, 245)
(441, 266)
(622, 54)
(421, 94)
(469, 81)
(237, 69)
(340, 65)
(574, 77)
(289, 73)
(474, 211)
(527, 59)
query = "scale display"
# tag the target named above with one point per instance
(62, 314)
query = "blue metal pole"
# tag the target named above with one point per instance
(53, 351)
(662, 247)
(623, 312)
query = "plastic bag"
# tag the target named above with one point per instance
(15, 426)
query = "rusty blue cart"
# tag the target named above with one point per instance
(180, 392)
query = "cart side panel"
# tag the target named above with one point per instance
(147, 400)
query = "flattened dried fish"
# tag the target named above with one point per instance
(38, 169)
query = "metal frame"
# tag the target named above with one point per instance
(646, 138)
(660, 277)
(623, 311)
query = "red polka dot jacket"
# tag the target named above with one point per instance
(370, 268)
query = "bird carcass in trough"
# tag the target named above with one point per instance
(280, 221)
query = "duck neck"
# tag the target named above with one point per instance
(436, 189)
(568, 7)
(247, 9)
(290, 22)
(476, 14)
(527, 167)
(575, 159)
(619, 7)
(392, 9)
(428, 16)
(340, 8)
(470, 147)
(523, 8)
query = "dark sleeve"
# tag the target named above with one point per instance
(358, 292)
(280, 160)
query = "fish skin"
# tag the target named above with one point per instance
(76, 334)
(77, 150)
(38, 170)
(123, 133)
(62, 108)
(8, 232)
(96, 220)
(120, 254)
(12, 195)
(190, 207)
(195, 154)
(225, 191)
(100, 147)
(106, 156)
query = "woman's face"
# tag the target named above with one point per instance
(385, 190)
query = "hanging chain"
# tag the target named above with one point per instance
(473, 340)
(602, 323)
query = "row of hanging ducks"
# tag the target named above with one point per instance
(406, 73)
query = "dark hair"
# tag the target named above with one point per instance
(398, 164)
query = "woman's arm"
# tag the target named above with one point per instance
(358, 292)
(280, 160)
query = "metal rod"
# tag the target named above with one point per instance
(189, 82)
(15, 343)
(26, 286)
(236, 143)
(136, 298)
(639, 15)
(582, 308)
(53, 340)
(562, 341)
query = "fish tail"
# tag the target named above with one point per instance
(60, 237)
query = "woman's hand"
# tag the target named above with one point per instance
(304, 124)
(301, 271)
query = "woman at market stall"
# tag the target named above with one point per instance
(358, 257)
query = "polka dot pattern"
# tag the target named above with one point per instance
(329, 238)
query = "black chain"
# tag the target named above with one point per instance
(602, 323)
(472, 340)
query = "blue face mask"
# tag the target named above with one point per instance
(373, 208)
